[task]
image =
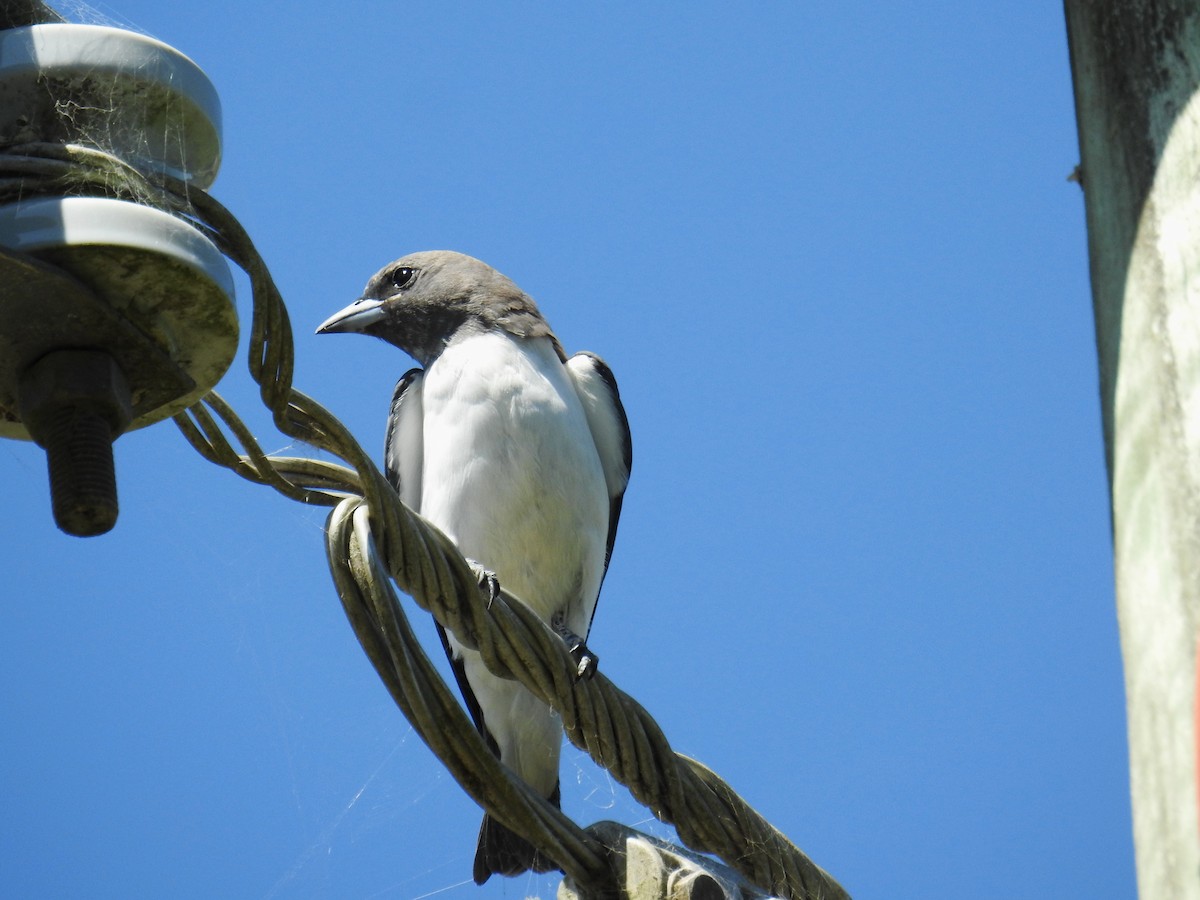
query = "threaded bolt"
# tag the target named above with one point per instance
(75, 403)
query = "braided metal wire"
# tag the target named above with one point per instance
(373, 540)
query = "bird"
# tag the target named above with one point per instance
(520, 455)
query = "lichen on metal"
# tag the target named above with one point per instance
(112, 90)
(128, 279)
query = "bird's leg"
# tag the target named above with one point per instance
(489, 584)
(586, 662)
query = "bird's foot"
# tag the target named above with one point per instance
(489, 584)
(586, 662)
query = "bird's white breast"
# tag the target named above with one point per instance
(511, 471)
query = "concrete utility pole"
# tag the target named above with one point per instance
(1136, 67)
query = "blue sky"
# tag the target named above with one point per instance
(864, 565)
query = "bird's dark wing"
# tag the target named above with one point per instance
(404, 445)
(597, 390)
(468, 695)
(403, 461)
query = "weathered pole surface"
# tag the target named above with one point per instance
(1136, 68)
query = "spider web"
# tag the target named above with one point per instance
(143, 116)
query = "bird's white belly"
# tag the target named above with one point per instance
(511, 472)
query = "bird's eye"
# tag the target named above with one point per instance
(402, 276)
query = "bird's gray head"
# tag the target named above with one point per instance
(420, 301)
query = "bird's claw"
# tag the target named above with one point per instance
(489, 584)
(586, 662)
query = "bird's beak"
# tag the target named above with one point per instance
(358, 316)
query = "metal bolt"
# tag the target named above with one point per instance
(75, 403)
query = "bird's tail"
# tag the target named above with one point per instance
(504, 852)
